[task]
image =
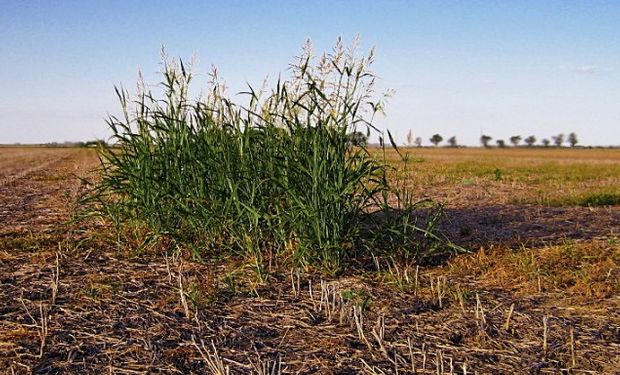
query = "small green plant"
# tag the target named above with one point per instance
(361, 298)
(93, 290)
(460, 295)
(600, 199)
(196, 296)
(399, 276)
(497, 174)
(231, 282)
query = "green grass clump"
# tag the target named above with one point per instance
(600, 199)
(276, 175)
(585, 199)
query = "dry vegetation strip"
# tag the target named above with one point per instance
(72, 302)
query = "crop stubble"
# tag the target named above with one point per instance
(540, 296)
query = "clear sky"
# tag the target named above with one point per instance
(459, 68)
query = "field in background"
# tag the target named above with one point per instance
(547, 177)
(539, 293)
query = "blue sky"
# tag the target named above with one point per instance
(459, 68)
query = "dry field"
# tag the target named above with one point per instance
(540, 292)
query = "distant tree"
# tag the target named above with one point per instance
(572, 139)
(529, 141)
(515, 139)
(501, 143)
(546, 142)
(452, 141)
(418, 141)
(558, 139)
(357, 139)
(409, 138)
(485, 139)
(436, 139)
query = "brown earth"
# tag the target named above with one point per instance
(540, 295)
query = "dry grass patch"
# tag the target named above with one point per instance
(579, 270)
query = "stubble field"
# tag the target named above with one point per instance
(539, 292)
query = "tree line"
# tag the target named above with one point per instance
(486, 141)
(360, 139)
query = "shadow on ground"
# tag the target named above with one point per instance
(514, 226)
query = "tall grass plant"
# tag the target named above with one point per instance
(276, 175)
